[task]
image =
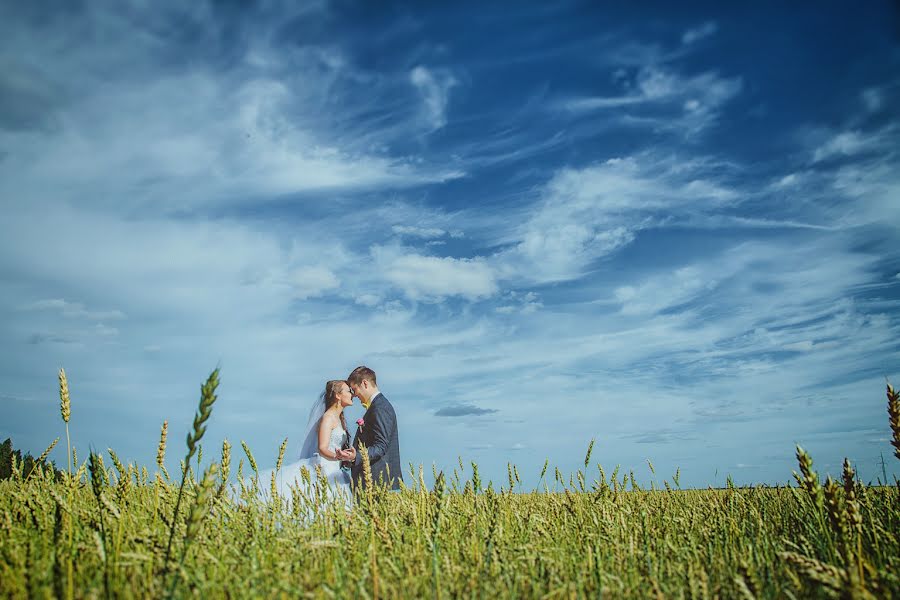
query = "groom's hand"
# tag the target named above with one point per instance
(349, 454)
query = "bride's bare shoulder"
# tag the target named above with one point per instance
(328, 422)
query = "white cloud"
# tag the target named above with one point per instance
(654, 92)
(566, 248)
(758, 298)
(800, 346)
(202, 137)
(519, 303)
(105, 331)
(207, 135)
(872, 189)
(309, 282)
(789, 180)
(432, 278)
(367, 300)
(654, 83)
(696, 34)
(846, 143)
(849, 179)
(872, 149)
(419, 232)
(201, 270)
(599, 102)
(666, 290)
(873, 99)
(72, 309)
(434, 87)
(586, 214)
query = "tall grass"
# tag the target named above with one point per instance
(120, 532)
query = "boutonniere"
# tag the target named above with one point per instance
(360, 423)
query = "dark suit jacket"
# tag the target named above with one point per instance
(379, 434)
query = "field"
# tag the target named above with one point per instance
(124, 530)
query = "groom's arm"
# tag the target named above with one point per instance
(382, 425)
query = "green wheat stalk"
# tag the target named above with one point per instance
(207, 399)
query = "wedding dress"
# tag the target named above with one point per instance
(338, 480)
(289, 477)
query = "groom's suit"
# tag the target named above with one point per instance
(379, 434)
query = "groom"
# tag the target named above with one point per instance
(378, 432)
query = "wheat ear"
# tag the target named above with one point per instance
(894, 413)
(95, 464)
(281, 455)
(42, 458)
(250, 457)
(161, 449)
(476, 478)
(226, 466)
(195, 518)
(824, 574)
(207, 399)
(65, 410)
(808, 479)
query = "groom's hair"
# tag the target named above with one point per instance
(361, 373)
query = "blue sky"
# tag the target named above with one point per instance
(674, 230)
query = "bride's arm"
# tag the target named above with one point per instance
(325, 428)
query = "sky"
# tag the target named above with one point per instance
(672, 229)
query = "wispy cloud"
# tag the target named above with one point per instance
(586, 214)
(312, 281)
(434, 87)
(700, 32)
(462, 410)
(427, 233)
(72, 309)
(664, 99)
(664, 436)
(844, 144)
(253, 147)
(211, 134)
(432, 278)
(519, 303)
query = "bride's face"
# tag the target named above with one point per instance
(346, 396)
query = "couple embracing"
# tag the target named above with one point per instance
(326, 443)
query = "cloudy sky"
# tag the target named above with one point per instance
(674, 231)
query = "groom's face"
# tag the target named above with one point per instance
(361, 390)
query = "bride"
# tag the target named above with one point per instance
(326, 444)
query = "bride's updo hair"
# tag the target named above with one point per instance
(330, 397)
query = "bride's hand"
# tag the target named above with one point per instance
(350, 454)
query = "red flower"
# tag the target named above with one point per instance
(360, 422)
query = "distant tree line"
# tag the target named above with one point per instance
(25, 465)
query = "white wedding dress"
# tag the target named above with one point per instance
(290, 475)
(290, 478)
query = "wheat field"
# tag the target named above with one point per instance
(98, 530)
